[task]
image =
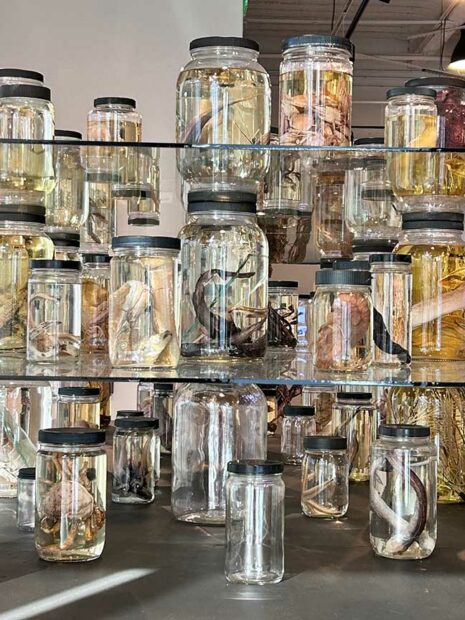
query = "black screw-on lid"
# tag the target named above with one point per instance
(25, 90)
(438, 220)
(143, 221)
(327, 263)
(27, 473)
(163, 387)
(34, 214)
(410, 90)
(78, 391)
(268, 391)
(115, 100)
(360, 278)
(347, 396)
(283, 284)
(251, 467)
(157, 243)
(318, 39)
(373, 245)
(357, 265)
(310, 295)
(403, 430)
(22, 73)
(376, 194)
(236, 201)
(44, 263)
(325, 442)
(66, 239)
(224, 42)
(136, 422)
(369, 142)
(74, 436)
(390, 258)
(95, 258)
(291, 410)
(129, 413)
(68, 133)
(132, 192)
(439, 81)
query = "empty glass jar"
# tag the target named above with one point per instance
(156, 401)
(25, 511)
(325, 477)
(403, 493)
(298, 423)
(213, 424)
(78, 407)
(66, 244)
(95, 302)
(143, 302)
(283, 304)
(254, 522)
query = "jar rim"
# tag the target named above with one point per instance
(149, 242)
(54, 264)
(21, 73)
(204, 42)
(317, 40)
(116, 101)
(255, 467)
(72, 436)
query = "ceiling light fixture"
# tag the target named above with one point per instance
(457, 60)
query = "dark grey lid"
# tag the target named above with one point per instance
(325, 442)
(346, 277)
(157, 243)
(78, 391)
(74, 436)
(378, 141)
(403, 430)
(439, 81)
(283, 284)
(129, 413)
(95, 258)
(294, 410)
(390, 258)
(136, 422)
(318, 39)
(115, 100)
(27, 473)
(224, 42)
(22, 73)
(34, 214)
(373, 245)
(44, 263)
(68, 133)
(421, 91)
(66, 239)
(348, 396)
(438, 220)
(236, 201)
(25, 90)
(255, 467)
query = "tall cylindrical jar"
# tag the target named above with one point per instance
(100, 226)
(391, 285)
(156, 401)
(298, 423)
(95, 303)
(143, 302)
(283, 304)
(78, 407)
(71, 478)
(66, 244)
(25, 511)
(304, 322)
(213, 424)
(342, 321)
(224, 263)
(272, 406)
(254, 522)
(223, 96)
(54, 311)
(403, 493)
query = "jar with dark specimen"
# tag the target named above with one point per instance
(403, 493)
(298, 423)
(322, 398)
(156, 401)
(66, 244)
(143, 324)
(224, 262)
(136, 460)
(272, 406)
(71, 478)
(213, 424)
(283, 304)
(223, 96)
(435, 243)
(22, 238)
(54, 311)
(95, 302)
(25, 511)
(78, 407)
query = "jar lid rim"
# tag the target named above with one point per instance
(47, 263)
(68, 133)
(343, 277)
(136, 422)
(72, 436)
(403, 430)
(354, 396)
(27, 473)
(21, 73)
(255, 467)
(116, 100)
(421, 91)
(439, 81)
(296, 410)
(318, 39)
(78, 391)
(283, 284)
(25, 90)
(146, 241)
(224, 42)
(68, 239)
(325, 442)
(129, 413)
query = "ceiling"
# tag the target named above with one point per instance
(393, 42)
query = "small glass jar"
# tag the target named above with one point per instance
(141, 207)
(25, 512)
(213, 424)
(71, 480)
(224, 264)
(223, 96)
(391, 284)
(435, 243)
(143, 302)
(21, 76)
(304, 322)
(100, 225)
(22, 238)
(355, 417)
(26, 113)
(403, 493)
(333, 236)
(325, 477)
(66, 245)
(362, 249)
(283, 304)
(67, 204)
(272, 406)
(95, 302)
(298, 423)
(342, 321)
(136, 460)
(156, 401)
(78, 407)
(54, 311)
(323, 400)
(315, 91)
(254, 522)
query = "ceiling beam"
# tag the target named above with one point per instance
(325, 22)
(454, 11)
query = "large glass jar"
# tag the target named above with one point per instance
(283, 304)
(254, 522)
(156, 401)
(100, 226)
(25, 510)
(54, 311)
(143, 302)
(223, 96)
(66, 244)
(298, 423)
(78, 406)
(71, 479)
(435, 243)
(224, 264)
(67, 205)
(21, 76)
(403, 493)
(213, 424)
(26, 113)
(22, 238)
(342, 321)
(315, 91)
(95, 302)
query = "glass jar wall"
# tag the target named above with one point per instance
(95, 303)
(283, 304)
(78, 407)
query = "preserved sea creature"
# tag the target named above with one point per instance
(288, 232)
(95, 303)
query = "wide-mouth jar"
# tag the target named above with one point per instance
(298, 422)
(78, 407)
(283, 305)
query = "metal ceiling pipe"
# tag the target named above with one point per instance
(358, 16)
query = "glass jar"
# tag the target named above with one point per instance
(304, 322)
(272, 406)
(67, 204)
(391, 284)
(25, 511)
(95, 301)
(223, 96)
(283, 304)
(54, 311)
(22, 238)
(315, 91)
(254, 522)
(143, 302)
(136, 460)
(224, 264)
(322, 399)
(443, 411)
(362, 249)
(325, 477)
(356, 418)
(66, 245)
(21, 76)
(342, 321)
(435, 243)
(403, 493)
(298, 423)
(78, 407)
(71, 480)
(100, 226)
(26, 113)
(156, 400)
(213, 424)
(140, 206)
